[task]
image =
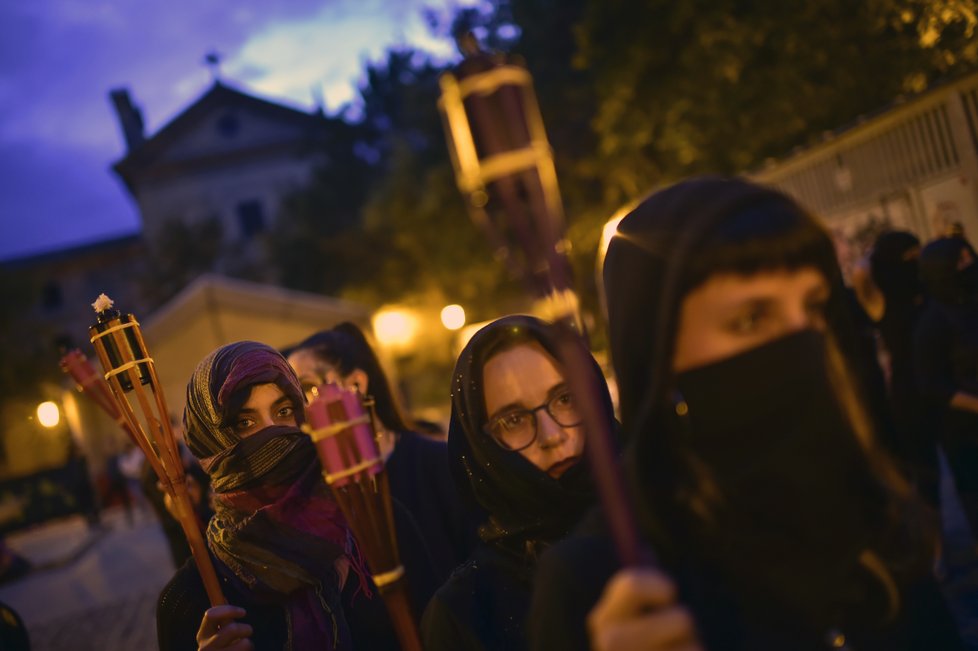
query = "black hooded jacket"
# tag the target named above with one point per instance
(657, 256)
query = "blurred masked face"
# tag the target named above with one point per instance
(732, 313)
(267, 406)
(530, 409)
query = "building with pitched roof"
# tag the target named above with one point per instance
(229, 157)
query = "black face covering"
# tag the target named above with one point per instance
(787, 517)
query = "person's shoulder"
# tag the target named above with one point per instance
(446, 617)
(185, 587)
(421, 445)
(933, 318)
(180, 608)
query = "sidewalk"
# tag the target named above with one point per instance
(91, 589)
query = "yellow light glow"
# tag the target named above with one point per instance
(608, 232)
(394, 327)
(453, 317)
(48, 414)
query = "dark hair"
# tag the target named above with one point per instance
(770, 234)
(345, 348)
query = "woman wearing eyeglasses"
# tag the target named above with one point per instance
(515, 444)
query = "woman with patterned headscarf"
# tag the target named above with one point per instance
(288, 564)
(515, 443)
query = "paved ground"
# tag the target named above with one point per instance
(95, 590)
(91, 590)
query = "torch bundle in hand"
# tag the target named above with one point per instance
(140, 404)
(343, 432)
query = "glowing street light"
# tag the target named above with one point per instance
(395, 328)
(48, 414)
(453, 317)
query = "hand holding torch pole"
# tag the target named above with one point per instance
(346, 442)
(504, 168)
(131, 375)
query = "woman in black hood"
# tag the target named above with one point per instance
(946, 358)
(778, 521)
(515, 444)
(894, 266)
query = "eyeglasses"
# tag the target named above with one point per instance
(517, 430)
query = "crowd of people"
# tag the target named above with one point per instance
(783, 479)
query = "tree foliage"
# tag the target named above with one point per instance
(633, 95)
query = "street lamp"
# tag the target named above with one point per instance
(395, 328)
(48, 414)
(453, 317)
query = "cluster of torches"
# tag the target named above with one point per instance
(129, 391)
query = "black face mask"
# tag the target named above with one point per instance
(792, 481)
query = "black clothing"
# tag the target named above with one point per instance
(765, 530)
(895, 271)
(183, 601)
(571, 576)
(483, 605)
(420, 480)
(946, 358)
(946, 361)
(13, 633)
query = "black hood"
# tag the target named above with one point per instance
(939, 270)
(524, 503)
(654, 259)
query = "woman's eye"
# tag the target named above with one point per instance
(286, 412)
(243, 424)
(747, 322)
(513, 421)
(564, 400)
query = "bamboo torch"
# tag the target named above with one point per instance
(345, 440)
(504, 167)
(131, 375)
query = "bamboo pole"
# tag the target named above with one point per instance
(129, 370)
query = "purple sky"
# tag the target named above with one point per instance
(59, 59)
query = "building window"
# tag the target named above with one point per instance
(251, 218)
(51, 296)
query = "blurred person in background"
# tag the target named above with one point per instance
(417, 467)
(946, 359)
